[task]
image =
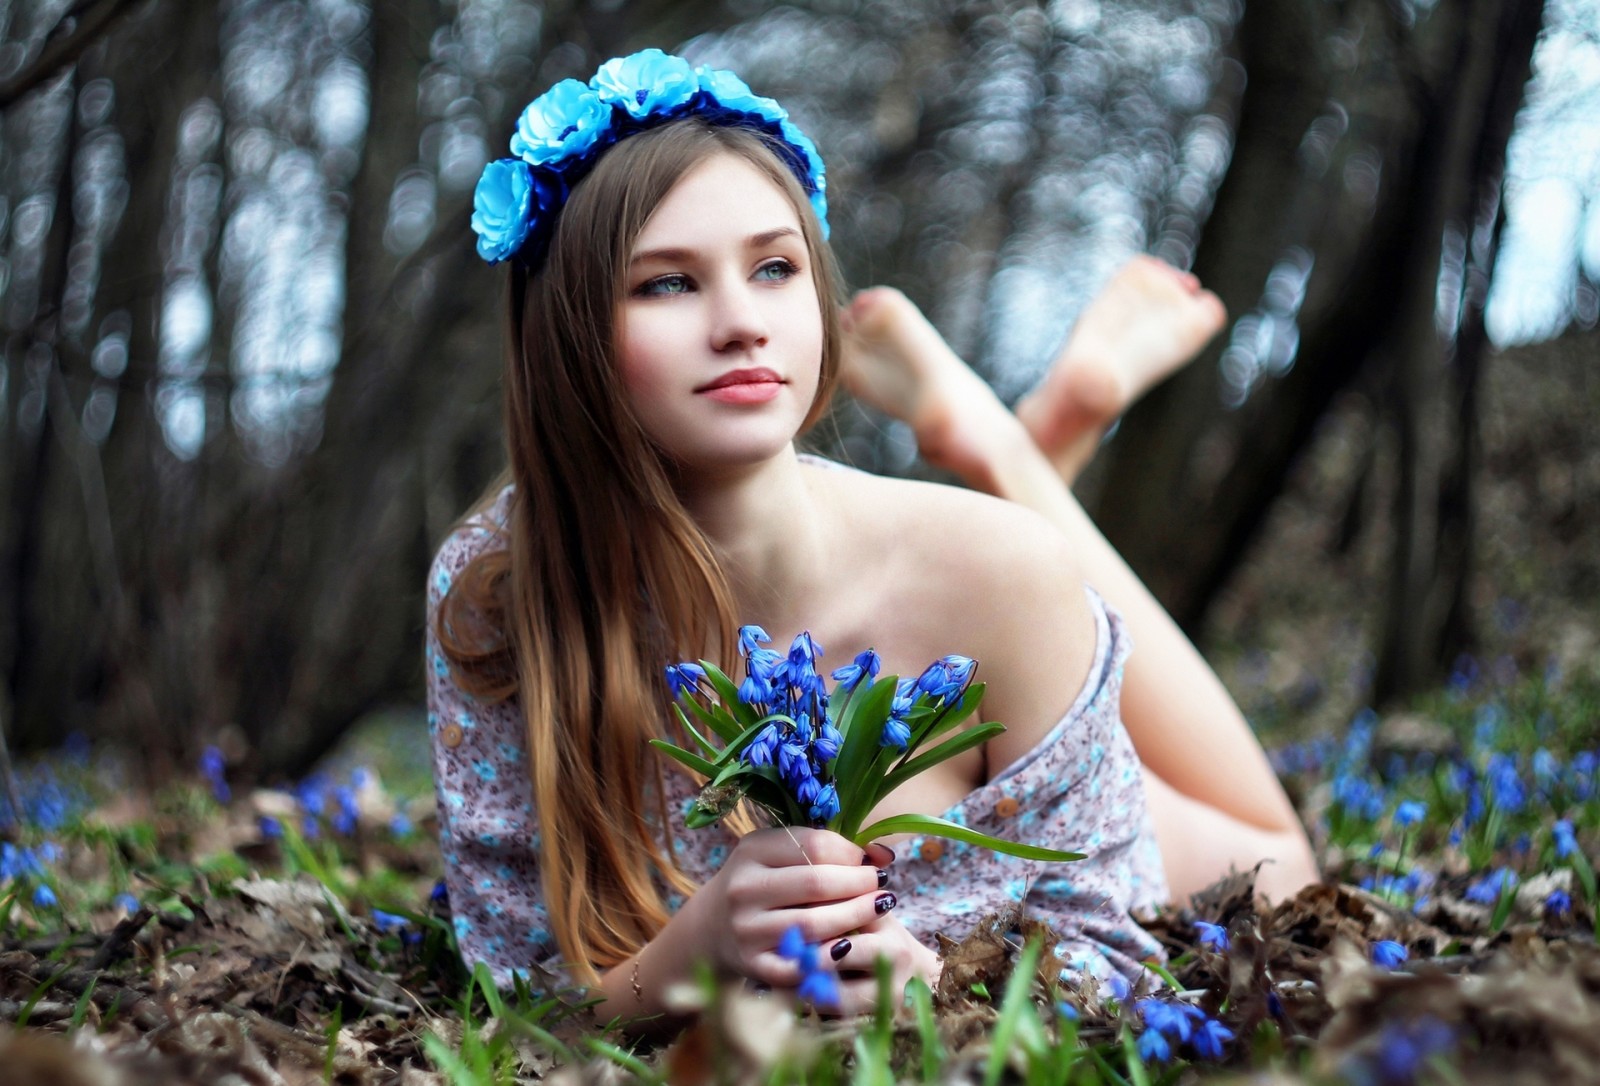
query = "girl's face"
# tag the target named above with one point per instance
(720, 328)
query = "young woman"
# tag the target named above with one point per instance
(673, 326)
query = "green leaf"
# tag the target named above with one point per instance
(946, 750)
(704, 744)
(728, 693)
(862, 728)
(947, 717)
(921, 997)
(737, 744)
(678, 754)
(1016, 1005)
(715, 718)
(942, 827)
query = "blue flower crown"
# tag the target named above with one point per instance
(564, 131)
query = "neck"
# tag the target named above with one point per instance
(767, 528)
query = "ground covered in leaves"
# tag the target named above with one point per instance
(296, 936)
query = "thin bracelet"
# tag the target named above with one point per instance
(638, 992)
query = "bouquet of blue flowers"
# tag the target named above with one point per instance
(814, 757)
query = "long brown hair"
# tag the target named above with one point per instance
(606, 578)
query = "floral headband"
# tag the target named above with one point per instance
(565, 130)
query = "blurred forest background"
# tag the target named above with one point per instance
(249, 367)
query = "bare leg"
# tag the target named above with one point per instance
(1149, 320)
(1185, 726)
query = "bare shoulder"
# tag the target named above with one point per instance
(983, 577)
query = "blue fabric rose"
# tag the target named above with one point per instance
(563, 123)
(648, 83)
(733, 94)
(504, 207)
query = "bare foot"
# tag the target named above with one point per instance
(1148, 321)
(898, 363)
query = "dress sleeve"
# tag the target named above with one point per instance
(487, 830)
(1079, 789)
(1083, 791)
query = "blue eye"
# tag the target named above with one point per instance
(666, 284)
(777, 271)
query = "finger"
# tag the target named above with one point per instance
(879, 854)
(820, 884)
(786, 846)
(824, 924)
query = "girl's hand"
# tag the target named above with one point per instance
(778, 878)
(857, 957)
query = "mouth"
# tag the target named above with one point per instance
(757, 376)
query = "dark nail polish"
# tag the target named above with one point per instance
(883, 878)
(760, 988)
(884, 903)
(839, 949)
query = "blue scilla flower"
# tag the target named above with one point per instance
(1211, 1038)
(344, 818)
(1153, 1047)
(1546, 770)
(270, 828)
(1212, 935)
(400, 824)
(1506, 783)
(793, 760)
(684, 678)
(44, 897)
(807, 788)
(865, 666)
(755, 691)
(763, 664)
(126, 902)
(825, 748)
(1410, 813)
(1559, 903)
(214, 768)
(820, 988)
(561, 125)
(896, 734)
(648, 83)
(388, 921)
(826, 805)
(1565, 840)
(440, 894)
(804, 650)
(1175, 1020)
(15, 862)
(751, 636)
(764, 747)
(1388, 954)
(1487, 890)
(1119, 987)
(1404, 1047)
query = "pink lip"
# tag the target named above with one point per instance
(758, 376)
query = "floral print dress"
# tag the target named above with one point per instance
(1081, 789)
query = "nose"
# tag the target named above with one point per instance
(738, 322)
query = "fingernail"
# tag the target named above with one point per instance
(884, 903)
(883, 878)
(839, 949)
(761, 988)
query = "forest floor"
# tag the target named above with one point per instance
(296, 935)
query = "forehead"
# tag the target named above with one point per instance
(723, 199)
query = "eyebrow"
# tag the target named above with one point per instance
(754, 241)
